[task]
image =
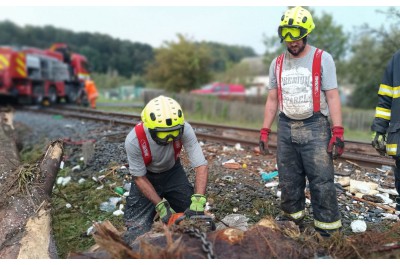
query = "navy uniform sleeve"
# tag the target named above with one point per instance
(385, 98)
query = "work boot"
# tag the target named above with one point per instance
(284, 217)
(326, 233)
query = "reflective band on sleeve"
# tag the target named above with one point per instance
(391, 149)
(328, 226)
(396, 92)
(382, 113)
(385, 90)
(297, 215)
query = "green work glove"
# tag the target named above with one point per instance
(164, 210)
(379, 142)
(197, 205)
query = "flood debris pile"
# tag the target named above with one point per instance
(264, 240)
(94, 181)
(267, 239)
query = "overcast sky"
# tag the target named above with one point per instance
(230, 22)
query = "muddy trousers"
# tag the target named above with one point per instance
(173, 185)
(302, 153)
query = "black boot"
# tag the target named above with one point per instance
(326, 233)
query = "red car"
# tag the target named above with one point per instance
(221, 90)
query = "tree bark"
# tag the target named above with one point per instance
(25, 219)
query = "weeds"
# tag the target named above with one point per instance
(71, 224)
(26, 175)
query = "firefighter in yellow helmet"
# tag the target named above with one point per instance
(91, 91)
(159, 182)
(307, 141)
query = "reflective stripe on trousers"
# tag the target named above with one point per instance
(302, 152)
(296, 216)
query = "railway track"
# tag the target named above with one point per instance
(359, 153)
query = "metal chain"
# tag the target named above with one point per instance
(206, 245)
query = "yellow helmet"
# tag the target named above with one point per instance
(164, 118)
(295, 24)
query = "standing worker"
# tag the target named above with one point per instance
(306, 143)
(387, 118)
(91, 91)
(159, 182)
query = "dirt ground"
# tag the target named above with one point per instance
(235, 186)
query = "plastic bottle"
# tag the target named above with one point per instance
(119, 190)
(107, 207)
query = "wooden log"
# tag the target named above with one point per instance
(385, 207)
(25, 219)
(9, 157)
(50, 165)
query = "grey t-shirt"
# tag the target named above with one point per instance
(163, 157)
(297, 83)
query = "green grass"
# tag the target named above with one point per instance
(70, 225)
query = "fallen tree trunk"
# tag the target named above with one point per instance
(9, 157)
(25, 220)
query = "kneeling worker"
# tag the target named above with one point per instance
(159, 182)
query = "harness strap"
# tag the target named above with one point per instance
(145, 147)
(143, 143)
(279, 62)
(177, 148)
(316, 79)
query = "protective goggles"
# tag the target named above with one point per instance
(291, 33)
(164, 136)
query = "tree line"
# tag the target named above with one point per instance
(184, 64)
(107, 54)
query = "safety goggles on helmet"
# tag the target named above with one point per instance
(164, 136)
(291, 33)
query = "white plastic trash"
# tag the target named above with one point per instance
(358, 226)
(63, 181)
(385, 199)
(271, 184)
(75, 168)
(119, 211)
(393, 217)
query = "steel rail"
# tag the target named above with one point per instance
(360, 153)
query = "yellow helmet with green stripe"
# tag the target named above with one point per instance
(295, 24)
(164, 118)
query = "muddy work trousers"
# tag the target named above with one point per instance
(302, 153)
(173, 185)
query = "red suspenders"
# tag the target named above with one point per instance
(316, 79)
(145, 147)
